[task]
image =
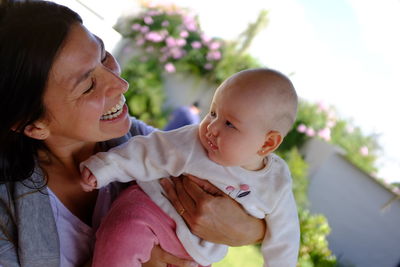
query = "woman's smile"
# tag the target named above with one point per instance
(115, 111)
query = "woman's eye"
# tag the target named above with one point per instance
(104, 59)
(92, 85)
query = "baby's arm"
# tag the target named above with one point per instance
(281, 243)
(143, 158)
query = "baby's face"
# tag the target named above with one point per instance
(232, 132)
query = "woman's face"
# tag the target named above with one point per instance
(83, 97)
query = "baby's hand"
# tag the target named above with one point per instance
(89, 181)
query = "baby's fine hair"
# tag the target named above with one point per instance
(280, 95)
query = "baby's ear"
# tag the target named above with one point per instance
(272, 141)
(37, 130)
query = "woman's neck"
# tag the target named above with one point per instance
(61, 167)
(67, 156)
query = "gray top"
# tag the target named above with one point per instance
(28, 233)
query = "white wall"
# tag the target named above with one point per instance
(185, 89)
(363, 233)
(100, 17)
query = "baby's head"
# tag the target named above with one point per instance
(250, 114)
(268, 94)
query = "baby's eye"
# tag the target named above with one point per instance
(229, 124)
(213, 114)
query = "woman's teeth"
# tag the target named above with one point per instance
(114, 111)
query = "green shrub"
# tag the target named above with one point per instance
(145, 96)
(299, 170)
(318, 120)
(314, 251)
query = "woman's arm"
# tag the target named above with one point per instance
(211, 214)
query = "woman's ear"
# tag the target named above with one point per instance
(272, 141)
(37, 130)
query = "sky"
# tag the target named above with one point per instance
(344, 53)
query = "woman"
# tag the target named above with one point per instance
(61, 97)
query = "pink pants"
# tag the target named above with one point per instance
(133, 226)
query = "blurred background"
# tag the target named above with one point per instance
(344, 60)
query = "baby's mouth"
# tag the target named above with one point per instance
(211, 144)
(115, 111)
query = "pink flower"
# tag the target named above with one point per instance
(213, 55)
(196, 44)
(165, 23)
(154, 37)
(184, 34)
(140, 42)
(208, 66)
(153, 13)
(364, 151)
(244, 187)
(322, 106)
(148, 20)
(189, 23)
(302, 128)
(229, 188)
(191, 27)
(325, 134)
(214, 45)
(188, 18)
(136, 27)
(170, 41)
(177, 53)
(144, 29)
(169, 67)
(331, 123)
(310, 132)
(180, 42)
(205, 38)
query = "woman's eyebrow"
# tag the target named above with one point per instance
(83, 77)
(101, 43)
(87, 74)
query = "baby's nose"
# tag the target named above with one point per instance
(212, 130)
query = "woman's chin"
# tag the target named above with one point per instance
(118, 126)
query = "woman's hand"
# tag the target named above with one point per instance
(160, 258)
(211, 214)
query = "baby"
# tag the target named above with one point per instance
(250, 114)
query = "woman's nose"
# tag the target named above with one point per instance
(115, 84)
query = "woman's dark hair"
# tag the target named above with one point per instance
(31, 35)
